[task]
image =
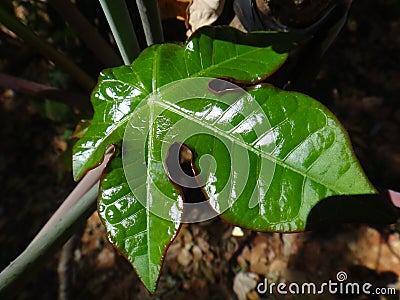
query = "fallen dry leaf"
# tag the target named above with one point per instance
(241, 262)
(277, 267)
(203, 12)
(259, 268)
(173, 251)
(237, 231)
(59, 144)
(246, 253)
(93, 235)
(197, 253)
(243, 284)
(252, 295)
(106, 258)
(371, 251)
(231, 247)
(186, 236)
(256, 256)
(206, 269)
(171, 257)
(173, 9)
(184, 257)
(258, 253)
(204, 246)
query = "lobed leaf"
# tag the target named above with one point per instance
(211, 52)
(220, 52)
(277, 154)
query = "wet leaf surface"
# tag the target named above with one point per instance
(277, 153)
(140, 234)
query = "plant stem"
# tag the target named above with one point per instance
(87, 32)
(150, 15)
(118, 18)
(64, 268)
(46, 244)
(90, 179)
(40, 90)
(13, 24)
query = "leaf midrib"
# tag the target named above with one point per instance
(202, 72)
(176, 109)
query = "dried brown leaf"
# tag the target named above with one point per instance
(277, 267)
(259, 268)
(207, 271)
(186, 236)
(184, 257)
(243, 284)
(173, 9)
(106, 258)
(204, 246)
(203, 12)
(252, 295)
(93, 235)
(246, 253)
(257, 253)
(197, 253)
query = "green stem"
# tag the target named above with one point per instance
(150, 15)
(118, 18)
(87, 32)
(45, 49)
(46, 244)
(46, 92)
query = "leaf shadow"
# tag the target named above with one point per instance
(371, 209)
(281, 42)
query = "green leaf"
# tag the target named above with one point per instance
(276, 154)
(265, 158)
(313, 160)
(138, 233)
(211, 52)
